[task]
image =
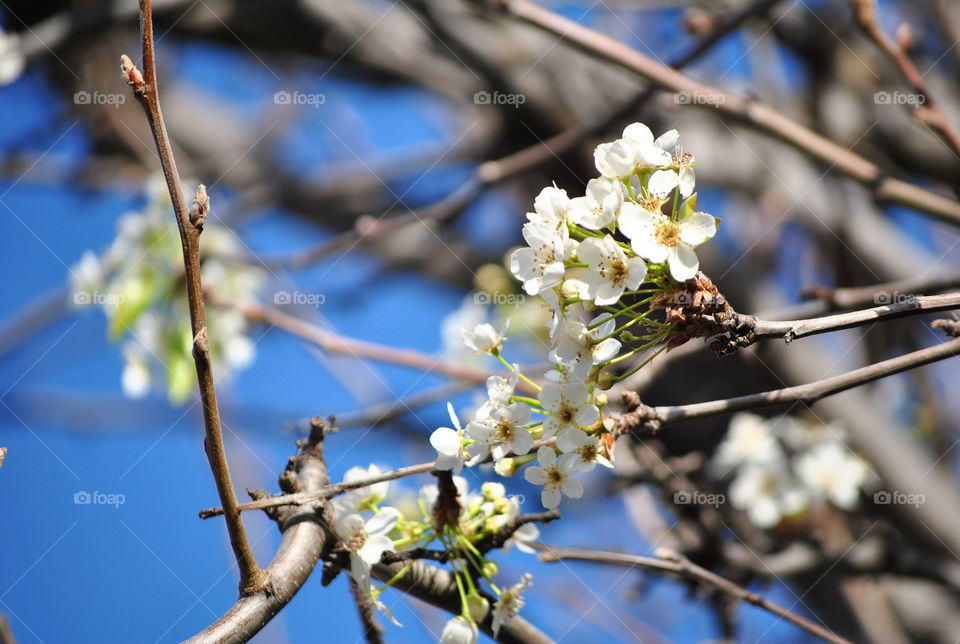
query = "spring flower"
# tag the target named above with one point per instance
(503, 431)
(659, 238)
(450, 445)
(599, 207)
(554, 477)
(484, 338)
(610, 271)
(585, 456)
(831, 472)
(615, 160)
(686, 179)
(748, 440)
(577, 339)
(540, 266)
(366, 541)
(647, 152)
(364, 497)
(568, 407)
(767, 494)
(459, 630)
(510, 603)
(550, 207)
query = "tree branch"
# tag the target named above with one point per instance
(754, 114)
(326, 492)
(670, 562)
(928, 112)
(654, 418)
(303, 542)
(190, 224)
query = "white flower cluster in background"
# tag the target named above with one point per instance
(783, 467)
(599, 262)
(138, 282)
(368, 529)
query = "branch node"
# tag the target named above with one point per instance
(201, 346)
(949, 326)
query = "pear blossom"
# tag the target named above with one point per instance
(615, 160)
(599, 207)
(831, 472)
(685, 176)
(577, 339)
(450, 444)
(459, 630)
(659, 238)
(554, 477)
(767, 493)
(568, 406)
(429, 493)
(610, 271)
(585, 456)
(503, 431)
(483, 338)
(647, 152)
(748, 440)
(510, 603)
(574, 371)
(366, 541)
(364, 497)
(540, 266)
(550, 207)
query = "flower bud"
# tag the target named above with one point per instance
(506, 467)
(477, 606)
(489, 569)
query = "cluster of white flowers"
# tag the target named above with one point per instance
(368, 529)
(783, 467)
(137, 283)
(599, 262)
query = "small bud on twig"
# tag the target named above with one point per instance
(131, 74)
(904, 37)
(200, 207)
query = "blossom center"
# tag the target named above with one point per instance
(667, 233)
(554, 476)
(566, 414)
(357, 539)
(505, 431)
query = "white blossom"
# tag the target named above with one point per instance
(576, 339)
(568, 406)
(502, 430)
(767, 493)
(366, 541)
(585, 456)
(483, 338)
(450, 444)
(554, 477)
(615, 160)
(540, 265)
(599, 207)
(647, 152)
(509, 603)
(659, 238)
(550, 207)
(610, 271)
(748, 440)
(364, 497)
(832, 472)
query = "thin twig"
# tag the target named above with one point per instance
(654, 418)
(372, 630)
(928, 110)
(326, 492)
(790, 330)
(252, 577)
(335, 343)
(670, 562)
(749, 111)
